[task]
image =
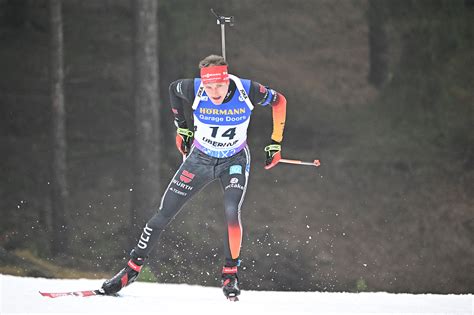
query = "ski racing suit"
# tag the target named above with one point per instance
(219, 152)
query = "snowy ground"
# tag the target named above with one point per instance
(20, 296)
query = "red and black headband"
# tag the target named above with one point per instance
(214, 74)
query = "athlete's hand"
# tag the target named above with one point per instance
(273, 154)
(184, 140)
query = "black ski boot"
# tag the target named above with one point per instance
(124, 277)
(230, 283)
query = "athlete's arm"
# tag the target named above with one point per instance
(261, 95)
(181, 91)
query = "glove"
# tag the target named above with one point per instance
(273, 154)
(184, 140)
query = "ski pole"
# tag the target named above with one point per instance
(221, 20)
(316, 163)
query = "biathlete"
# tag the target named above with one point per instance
(216, 148)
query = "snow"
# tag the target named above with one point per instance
(20, 295)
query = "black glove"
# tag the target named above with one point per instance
(273, 154)
(184, 140)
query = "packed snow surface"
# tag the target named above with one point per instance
(20, 295)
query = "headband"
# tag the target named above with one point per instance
(214, 74)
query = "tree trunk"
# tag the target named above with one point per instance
(146, 186)
(378, 43)
(59, 191)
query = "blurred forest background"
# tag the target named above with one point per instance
(380, 91)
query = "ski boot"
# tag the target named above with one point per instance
(230, 283)
(124, 277)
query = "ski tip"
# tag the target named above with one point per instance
(47, 294)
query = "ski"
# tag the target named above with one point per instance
(233, 299)
(85, 293)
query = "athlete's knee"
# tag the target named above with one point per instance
(159, 220)
(231, 209)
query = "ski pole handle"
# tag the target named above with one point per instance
(316, 163)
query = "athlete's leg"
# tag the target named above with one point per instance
(193, 174)
(234, 183)
(191, 177)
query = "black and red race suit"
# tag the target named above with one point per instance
(219, 152)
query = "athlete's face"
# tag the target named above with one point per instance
(216, 91)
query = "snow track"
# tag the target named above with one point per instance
(20, 296)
